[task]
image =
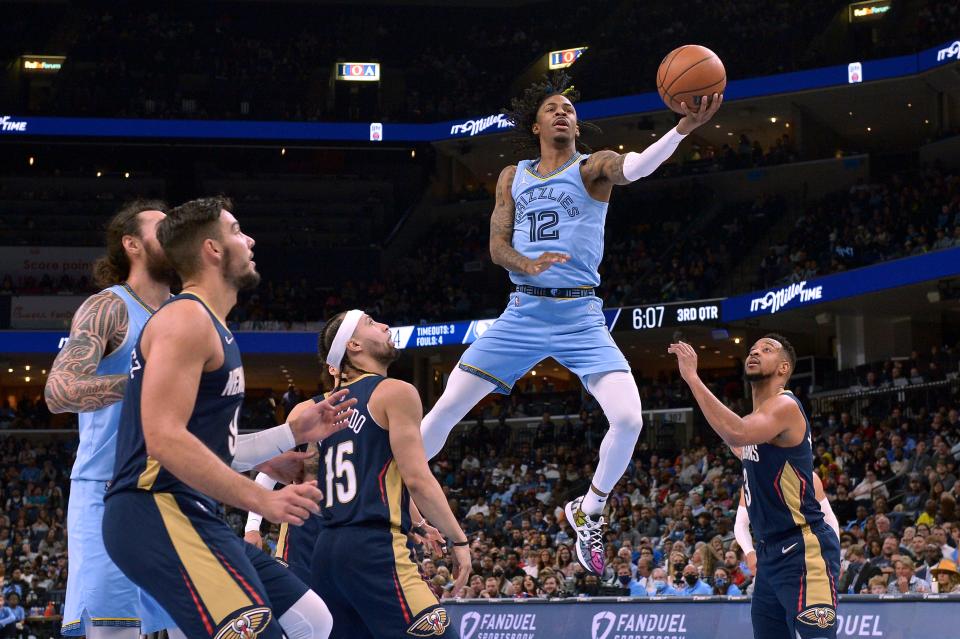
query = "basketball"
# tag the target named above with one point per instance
(687, 74)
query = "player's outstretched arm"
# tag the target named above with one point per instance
(175, 354)
(774, 418)
(617, 169)
(309, 421)
(73, 385)
(403, 410)
(501, 233)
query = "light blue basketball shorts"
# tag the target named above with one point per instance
(98, 593)
(572, 331)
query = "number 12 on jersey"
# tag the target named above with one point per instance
(341, 476)
(541, 225)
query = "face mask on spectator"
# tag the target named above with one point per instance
(690, 579)
(659, 585)
(624, 579)
(720, 583)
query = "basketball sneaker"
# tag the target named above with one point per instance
(589, 528)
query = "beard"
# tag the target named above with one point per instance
(753, 378)
(245, 281)
(386, 354)
(159, 268)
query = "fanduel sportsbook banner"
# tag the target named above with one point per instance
(688, 619)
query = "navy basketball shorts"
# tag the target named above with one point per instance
(284, 588)
(295, 546)
(190, 561)
(373, 588)
(795, 593)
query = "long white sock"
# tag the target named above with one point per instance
(619, 398)
(463, 392)
(111, 632)
(308, 618)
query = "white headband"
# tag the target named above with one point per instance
(344, 333)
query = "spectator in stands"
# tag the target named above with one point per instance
(657, 584)
(878, 585)
(693, 585)
(551, 588)
(947, 577)
(904, 580)
(11, 617)
(722, 584)
(18, 614)
(626, 580)
(864, 491)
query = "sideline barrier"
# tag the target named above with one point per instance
(891, 617)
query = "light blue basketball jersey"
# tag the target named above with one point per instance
(98, 429)
(555, 213)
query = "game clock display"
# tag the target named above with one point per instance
(673, 315)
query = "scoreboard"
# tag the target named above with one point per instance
(701, 312)
(632, 318)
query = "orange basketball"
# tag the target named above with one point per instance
(687, 74)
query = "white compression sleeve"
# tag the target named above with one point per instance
(638, 165)
(829, 516)
(111, 632)
(741, 531)
(255, 519)
(619, 398)
(309, 618)
(463, 392)
(255, 448)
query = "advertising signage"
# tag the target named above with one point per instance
(783, 83)
(358, 71)
(565, 58)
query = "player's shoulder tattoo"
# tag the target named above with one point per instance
(99, 326)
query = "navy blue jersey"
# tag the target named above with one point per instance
(213, 421)
(778, 486)
(357, 473)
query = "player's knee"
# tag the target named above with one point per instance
(307, 618)
(631, 421)
(817, 622)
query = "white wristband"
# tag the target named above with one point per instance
(255, 519)
(255, 448)
(638, 165)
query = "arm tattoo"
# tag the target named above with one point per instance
(73, 384)
(608, 166)
(501, 226)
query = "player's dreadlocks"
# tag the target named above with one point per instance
(523, 110)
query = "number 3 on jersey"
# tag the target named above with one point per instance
(341, 476)
(746, 488)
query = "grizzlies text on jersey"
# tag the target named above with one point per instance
(554, 212)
